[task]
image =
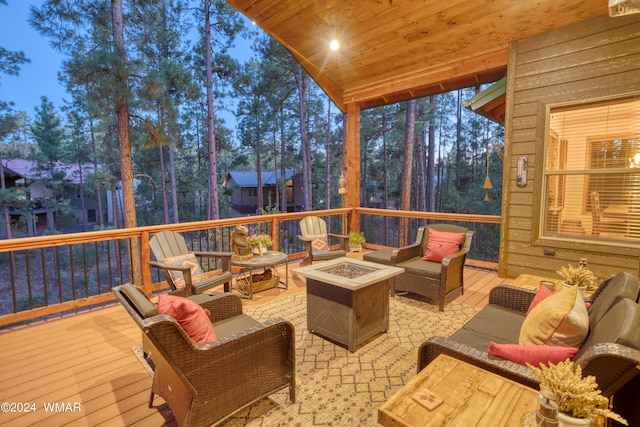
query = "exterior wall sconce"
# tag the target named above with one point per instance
(521, 171)
(342, 182)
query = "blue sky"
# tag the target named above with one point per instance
(40, 77)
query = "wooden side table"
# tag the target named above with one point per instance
(530, 281)
(471, 397)
(268, 260)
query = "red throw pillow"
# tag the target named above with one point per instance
(193, 318)
(442, 244)
(542, 293)
(533, 354)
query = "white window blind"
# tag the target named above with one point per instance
(592, 171)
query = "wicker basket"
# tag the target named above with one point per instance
(260, 282)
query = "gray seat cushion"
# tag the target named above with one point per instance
(422, 268)
(233, 325)
(492, 323)
(381, 257)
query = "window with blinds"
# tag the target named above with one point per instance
(592, 171)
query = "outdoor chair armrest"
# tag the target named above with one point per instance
(512, 297)
(405, 253)
(306, 238)
(437, 345)
(612, 364)
(223, 306)
(344, 240)
(183, 268)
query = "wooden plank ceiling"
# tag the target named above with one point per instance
(393, 50)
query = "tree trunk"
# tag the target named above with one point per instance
(431, 161)
(211, 121)
(7, 217)
(306, 145)
(95, 170)
(422, 179)
(174, 187)
(405, 182)
(165, 192)
(122, 113)
(283, 145)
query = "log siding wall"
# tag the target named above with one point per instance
(595, 59)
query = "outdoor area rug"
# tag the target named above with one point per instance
(335, 387)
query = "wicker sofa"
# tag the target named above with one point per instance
(205, 383)
(611, 351)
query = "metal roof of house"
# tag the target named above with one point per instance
(28, 169)
(250, 179)
(490, 102)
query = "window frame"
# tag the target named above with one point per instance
(539, 235)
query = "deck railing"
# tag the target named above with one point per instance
(47, 275)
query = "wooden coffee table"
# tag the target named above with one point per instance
(471, 397)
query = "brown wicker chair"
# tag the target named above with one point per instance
(316, 239)
(186, 277)
(430, 279)
(203, 384)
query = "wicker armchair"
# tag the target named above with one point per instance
(611, 351)
(203, 384)
(430, 279)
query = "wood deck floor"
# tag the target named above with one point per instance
(84, 362)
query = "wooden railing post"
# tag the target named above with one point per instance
(275, 232)
(146, 258)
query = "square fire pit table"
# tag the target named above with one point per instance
(348, 299)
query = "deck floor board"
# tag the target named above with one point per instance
(86, 357)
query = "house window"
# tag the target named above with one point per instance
(592, 171)
(252, 192)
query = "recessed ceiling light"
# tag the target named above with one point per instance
(334, 45)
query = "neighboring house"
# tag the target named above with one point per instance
(24, 176)
(244, 197)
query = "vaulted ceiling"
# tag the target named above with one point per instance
(393, 50)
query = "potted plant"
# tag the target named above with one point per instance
(355, 241)
(578, 397)
(260, 243)
(580, 276)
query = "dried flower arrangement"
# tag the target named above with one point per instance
(579, 275)
(577, 396)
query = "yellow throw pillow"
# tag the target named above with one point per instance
(561, 319)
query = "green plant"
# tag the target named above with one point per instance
(579, 275)
(355, 237)
(264, 239)
(577, 396)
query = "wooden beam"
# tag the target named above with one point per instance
(351, 163)
(487, 64)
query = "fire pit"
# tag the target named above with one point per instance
(348, 299)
